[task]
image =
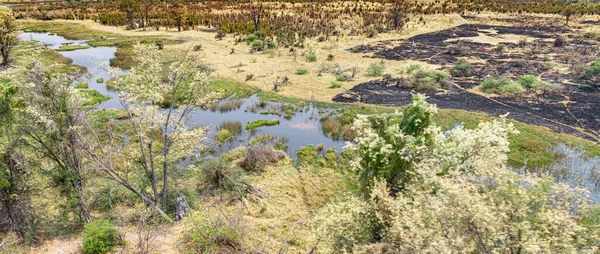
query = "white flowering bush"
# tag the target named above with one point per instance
(388, 145)
(462, 198)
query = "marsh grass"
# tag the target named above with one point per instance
(71, 47)
(261, 123)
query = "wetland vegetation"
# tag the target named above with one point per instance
(299, 127)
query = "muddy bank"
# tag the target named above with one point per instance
(583, 111)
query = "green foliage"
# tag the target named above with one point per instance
(330, 57)
(212, 235)
(91, 98)
(530, 82)
(100, 237)
(258, 45)
(343, 77)
(335, 84)
(224, 136)
(301, 71)
(462, 68)
(492, 85)
(413, 68)
(376, 69)
(81, 85)
(71, 47)
(234, 127)
(100, 80)
(220, 176)
(251, 38)
(549, 64)
(383, 155)
(512, 88)
(261, 123)
(430, 80)
(311, 56)
(594, 69)
(307, 155)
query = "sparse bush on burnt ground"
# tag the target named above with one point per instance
(431, 80)
(462, 68)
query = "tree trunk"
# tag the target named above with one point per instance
(182, 208)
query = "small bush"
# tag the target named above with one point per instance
(198, 47)
(413, 68)
(330, 57)
(500, 47)
(224, 136)
(220, 176)
(462, 68)
(550, 89)
(512, 88)
(258, 45)
(251, 38)
(492, 85)
(159, 44)
(335, 84)
(530, 82)
(430, 80)
(257, 157)
(549, 64)
(100, 80)
(99, 237)
(212, 234)
(581, 70)
(311, 56)
(249, 77)
(301, 71)
(343, 77)
(376, 69)
(560, 41)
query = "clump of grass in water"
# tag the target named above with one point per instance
(226, 106)
(577, 169)
(81, 85)
(71, 47)
(91, 98)
(260, 123)
(334, 128)
(228, 131)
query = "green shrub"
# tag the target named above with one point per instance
(595, 68)
(343, 77)
(376, 69)
(212, 235)
(220, 176)
(547, 88)
(530, 82)
(549, 64)
(224, 136)
(307, 155)
(462, 68)
(335, 84)
(492, 85)
(413, 68)
(100, 80)
(330, 57)
(430, 80)
(258, 45)
(512, 88)
(500, 47)
(198, 47)
(99, 237)
(301, 71)
(311, 56)
(251, 38)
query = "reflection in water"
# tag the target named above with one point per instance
(300, 130)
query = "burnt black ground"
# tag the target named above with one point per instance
(551, 113)
(582, 112)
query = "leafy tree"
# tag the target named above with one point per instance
(162, 137)
(8, 34)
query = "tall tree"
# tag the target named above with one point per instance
(52, 117)
(15, 173)
(398, 13)
(256, 13)
(163, 140)
(129, 7)
(9, 36)
(178, 12)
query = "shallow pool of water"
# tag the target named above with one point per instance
(303, 128)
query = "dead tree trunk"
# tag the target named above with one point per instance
(182, 208)
(256, 14)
